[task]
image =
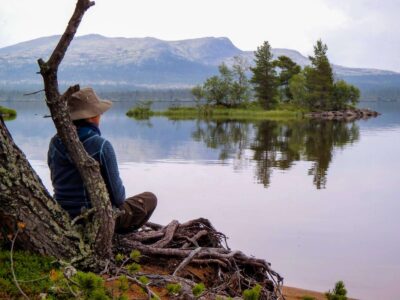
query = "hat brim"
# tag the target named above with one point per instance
(95, 110)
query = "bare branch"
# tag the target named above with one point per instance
(33, 93)
(12, 266)
(62, 46)
(186, 261)
(169, 234)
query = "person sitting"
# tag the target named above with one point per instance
(85, 109)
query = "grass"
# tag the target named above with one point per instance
(8, 113)
(251, 113)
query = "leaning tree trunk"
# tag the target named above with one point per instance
(23, 197)
(100, 230)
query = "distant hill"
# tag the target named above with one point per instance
(140, 62)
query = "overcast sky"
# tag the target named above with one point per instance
(359, 33)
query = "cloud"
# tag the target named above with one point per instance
(370, 37)
(363, 33)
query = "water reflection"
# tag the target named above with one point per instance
(262, 146)
(230, 137)
(278, 145)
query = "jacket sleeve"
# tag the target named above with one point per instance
(110, 173)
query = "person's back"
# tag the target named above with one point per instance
(68, 185)
(69, 191)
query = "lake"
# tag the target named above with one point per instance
(319, 200)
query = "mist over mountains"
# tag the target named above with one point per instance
(134, 63)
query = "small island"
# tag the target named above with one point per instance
(278, 89)
(7, 113)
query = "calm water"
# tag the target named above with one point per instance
(320, 201)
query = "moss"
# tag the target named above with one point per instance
(38, 274)
(27, 267)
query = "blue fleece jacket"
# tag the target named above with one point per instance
(69, 190)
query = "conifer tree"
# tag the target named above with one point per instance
(287, 69)
(264, 77)
(319, 79)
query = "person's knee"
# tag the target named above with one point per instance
(151, 200)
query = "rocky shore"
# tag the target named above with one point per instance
(345, 115)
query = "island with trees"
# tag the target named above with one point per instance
(276, 88)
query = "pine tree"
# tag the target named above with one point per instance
(264, 77)
(287, 69)
(319, 79)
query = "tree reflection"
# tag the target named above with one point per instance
(278, 145)
(230, 137)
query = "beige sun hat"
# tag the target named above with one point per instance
(86, 104)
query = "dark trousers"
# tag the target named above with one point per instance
(137, 210)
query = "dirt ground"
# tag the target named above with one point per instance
(292, 293)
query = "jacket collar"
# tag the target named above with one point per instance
(87, 129)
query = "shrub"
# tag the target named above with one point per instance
(135, 255)
(338, 293)
(198, 289)
(174, 289)
(133, 267)
(142, 111)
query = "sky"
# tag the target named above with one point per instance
(359, 33)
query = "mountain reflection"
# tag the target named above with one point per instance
(278, 145)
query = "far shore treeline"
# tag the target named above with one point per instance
(277, 83)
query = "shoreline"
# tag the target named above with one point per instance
(250, 114)
(294, 293)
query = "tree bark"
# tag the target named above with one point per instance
(23, 198)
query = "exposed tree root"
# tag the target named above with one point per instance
(194, 250)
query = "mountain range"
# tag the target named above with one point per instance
(141, 62)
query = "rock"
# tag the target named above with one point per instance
(346, 115)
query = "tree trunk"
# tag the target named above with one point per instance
(100, 229)
(23, 198)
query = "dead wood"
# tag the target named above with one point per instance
(232, 271)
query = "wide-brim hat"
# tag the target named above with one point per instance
(85, 104)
